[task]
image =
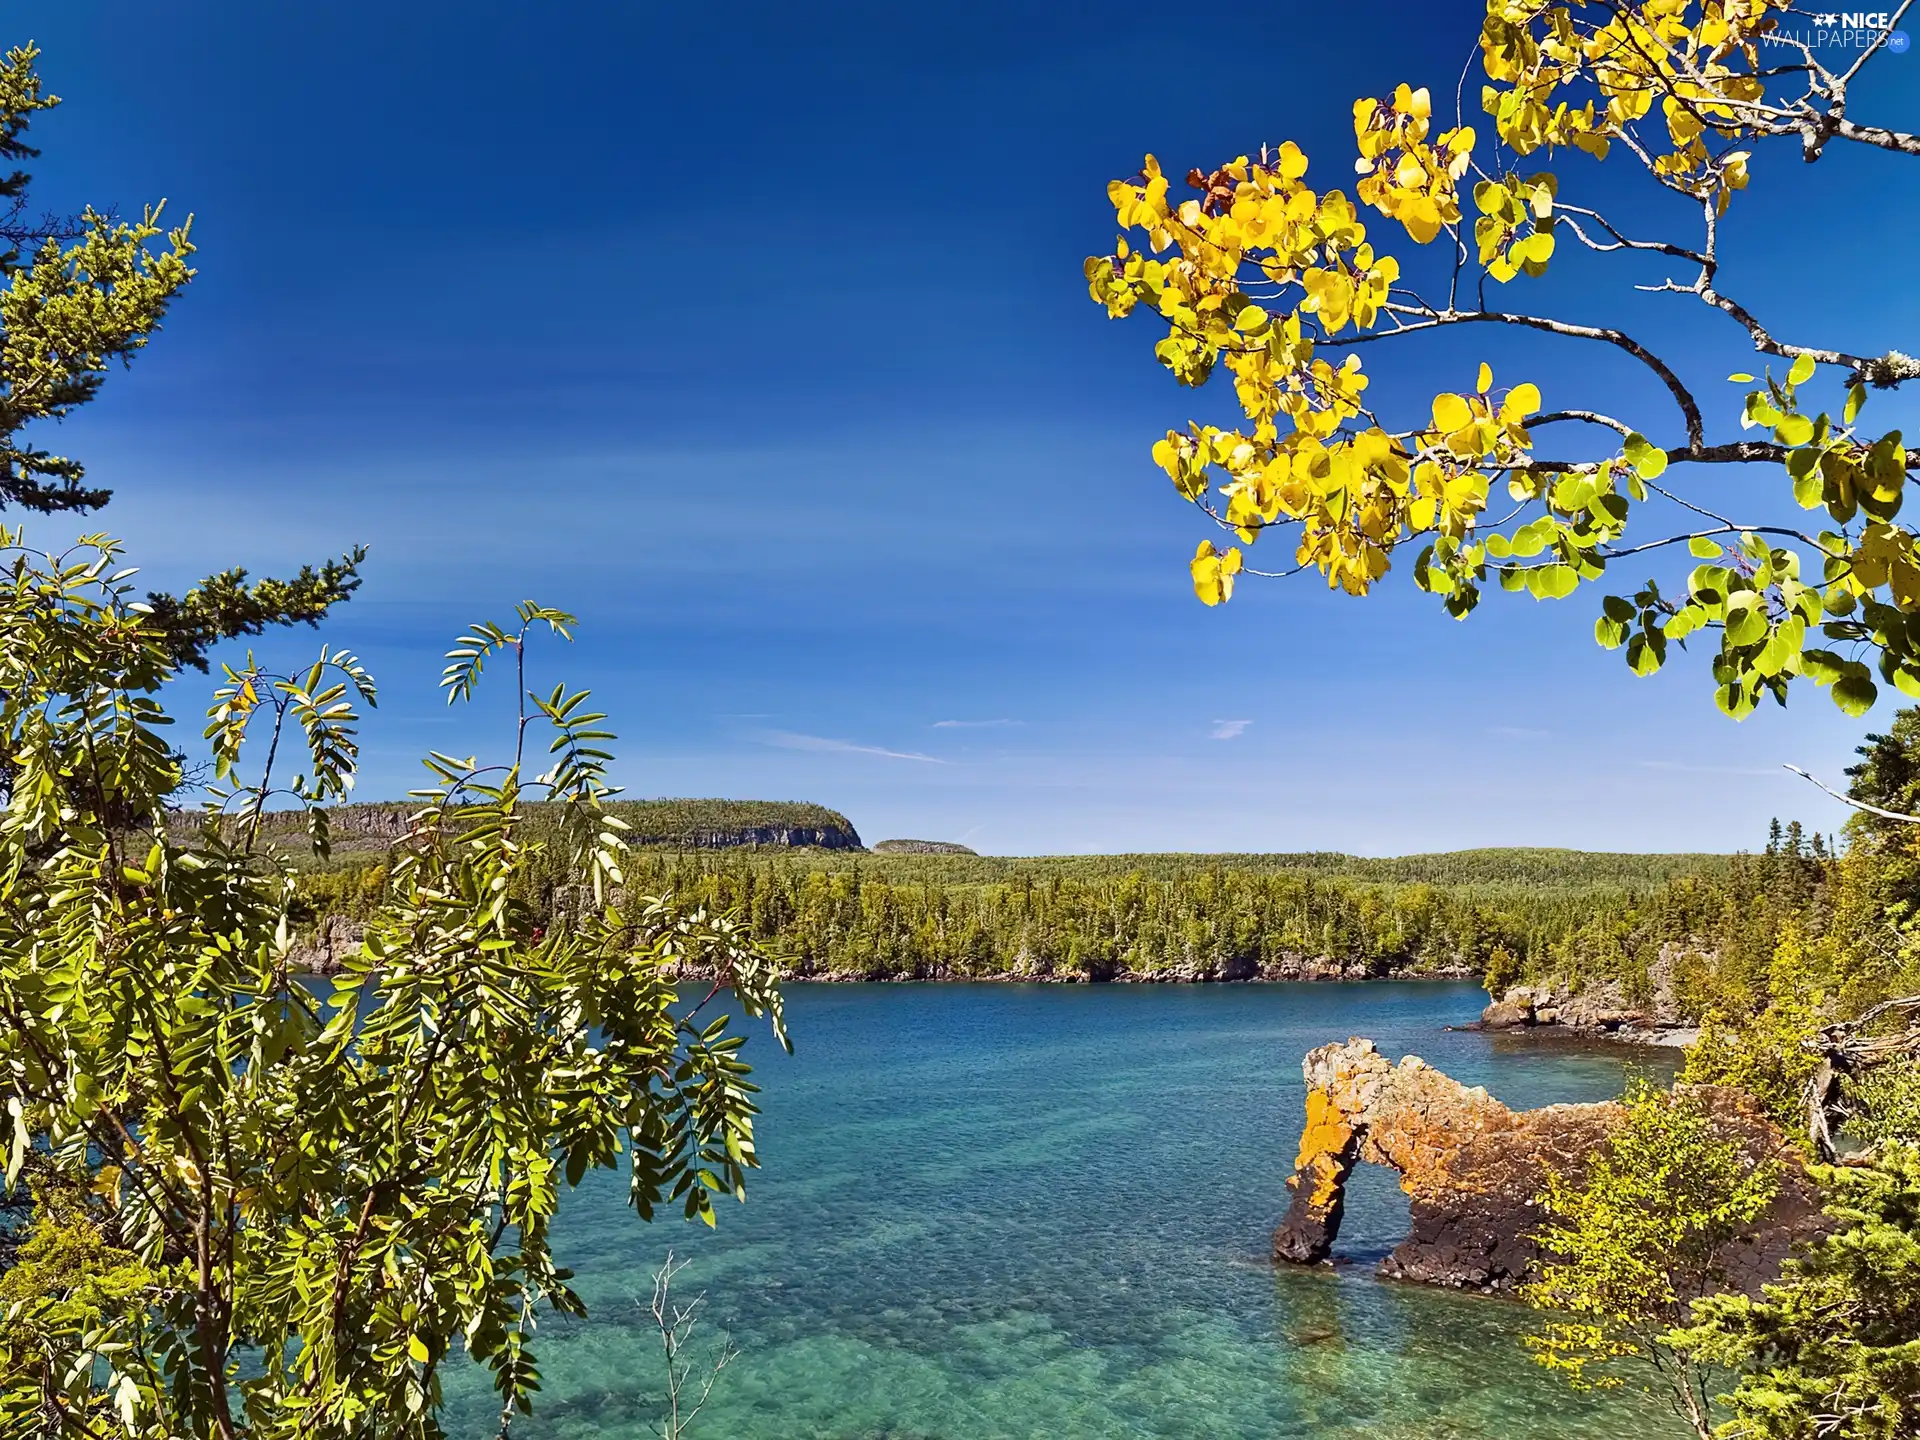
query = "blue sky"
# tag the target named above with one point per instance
(756, 336)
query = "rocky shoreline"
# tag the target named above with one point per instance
(324, 949)
(1595, 1013)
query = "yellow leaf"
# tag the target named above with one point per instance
(1451, 413)
(1486, 378)
(1213, 573)
(1522, 400)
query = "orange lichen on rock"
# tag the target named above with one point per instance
(1327, 1131)
(1474, 1168)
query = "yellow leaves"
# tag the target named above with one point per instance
(1213, 573)
(1521, 401)
(1446, 500)
(1329, 295)
(1470, 430)
(1886, 556)
(1683, 122)
(1732, 177)
(1143, 202)
(1507, 206)
(1451, 412)
(1702, 63)
(1402, 176)
(1185, 462)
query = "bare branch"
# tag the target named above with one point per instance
(1856, 804)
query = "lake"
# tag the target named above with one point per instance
(1024, 1211)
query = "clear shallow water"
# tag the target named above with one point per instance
(1024, 1211)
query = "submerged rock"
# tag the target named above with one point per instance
(1474, 1168)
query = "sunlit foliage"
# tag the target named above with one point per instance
(1281, 283)
(272, 1206)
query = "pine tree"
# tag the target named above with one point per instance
(78, 295)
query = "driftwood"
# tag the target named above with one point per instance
(1847, 1048)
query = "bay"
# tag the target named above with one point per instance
(1021, 1211)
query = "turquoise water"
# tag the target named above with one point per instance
(1022, 1211)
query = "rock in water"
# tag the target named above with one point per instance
(1512, 1011)
(1474, 1168)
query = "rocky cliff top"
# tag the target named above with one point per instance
(668, 824)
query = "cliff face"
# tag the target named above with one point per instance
(1473, 1168)
(825, 837)
(369, 829)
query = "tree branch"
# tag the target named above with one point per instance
(1434, 319)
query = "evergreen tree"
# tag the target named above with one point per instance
(1832, 1350)
(80, 294)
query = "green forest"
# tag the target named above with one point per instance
(1513, 914)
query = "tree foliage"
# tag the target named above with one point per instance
(79, 295)
(1632, 1243)
(1261, 273)
(283, 1206)
(1832, 1351)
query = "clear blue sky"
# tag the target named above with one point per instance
(756, 335)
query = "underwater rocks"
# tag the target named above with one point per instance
(1473, 1169)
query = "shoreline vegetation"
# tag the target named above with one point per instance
(1635, 944)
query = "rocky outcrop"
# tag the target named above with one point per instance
(822, 837)
(1473, 1169)
(1601, 1008)
(923, 847)
(323, 951)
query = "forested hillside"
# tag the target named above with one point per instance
(1515, 912)
(362, 830)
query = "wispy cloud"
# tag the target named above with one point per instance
(974, 724)
(1518, 732)
(1230, 729)
(789, 740)
(1682, 768)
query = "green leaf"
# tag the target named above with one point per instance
(1529, 540)
(1649, 461)
(1823, 667)
(1746, 618)
(1802, 370)
(1741, 377)
(1734, 700)
(1646, 652)
(1781, 653)
(1855, 692)
(1703, 548)
(1856, 398)
(1793, 430)
(1553, 582)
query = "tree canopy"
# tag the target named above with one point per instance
(274, 1207)
(1262, 273)
(80, 294)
